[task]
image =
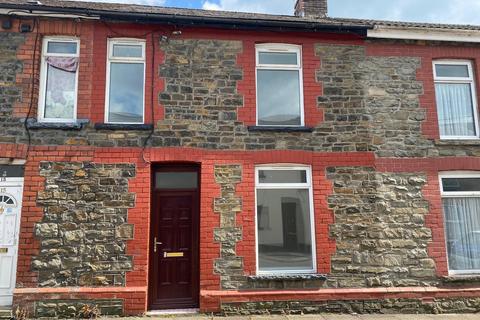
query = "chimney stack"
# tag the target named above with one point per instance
(311, 8)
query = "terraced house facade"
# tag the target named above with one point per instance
(156, 158)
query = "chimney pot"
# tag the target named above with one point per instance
(311, 8)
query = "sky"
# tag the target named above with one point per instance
(442, 11)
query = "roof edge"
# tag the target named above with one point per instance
(192, 20)
(424, 33)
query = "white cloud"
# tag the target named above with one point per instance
(207, 5)
(259, 6)
(144, 2)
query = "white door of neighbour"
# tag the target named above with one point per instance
(10, 209)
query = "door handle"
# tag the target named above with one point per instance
(155, 243)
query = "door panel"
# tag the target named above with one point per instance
(174, 281)
(10, 208)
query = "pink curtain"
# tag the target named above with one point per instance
(66, 64)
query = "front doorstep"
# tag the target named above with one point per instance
(176, 312)
(5, 313)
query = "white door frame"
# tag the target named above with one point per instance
(6, 295)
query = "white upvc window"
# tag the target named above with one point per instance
(456, 99)
(461, 207)
(285, 232)
(125, 89)
(279, 80)
(59, 80)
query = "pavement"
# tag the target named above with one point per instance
(319, 317)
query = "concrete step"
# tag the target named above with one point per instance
(5, 313)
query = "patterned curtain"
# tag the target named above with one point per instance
(60, 93)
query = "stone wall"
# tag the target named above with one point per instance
(84, 228)
(371, 306)
(379, 229)
(371, 103)
(74, 309)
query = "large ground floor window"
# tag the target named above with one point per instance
(461, 207)
(285, 233)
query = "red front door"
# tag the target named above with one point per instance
(174, 265)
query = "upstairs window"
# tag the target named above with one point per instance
(279, 85)
(461, 207)
(456, 99)
(125, 96)
(285, 232)
(59, 80)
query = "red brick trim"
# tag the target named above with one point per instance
(13, 151)
(79, 290)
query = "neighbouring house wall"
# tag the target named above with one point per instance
(373, 149)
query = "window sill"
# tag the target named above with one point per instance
(462, 279)
(119, 126)
(287, 282)
(280, 129)
(33, 124)
(286, 277)
(470, 142)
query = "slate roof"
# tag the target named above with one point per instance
(152, 12)
(411, 25)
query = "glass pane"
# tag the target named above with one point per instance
(126, 92)
(282, 176)
(287, 58)
(59, 94)
(278, 97)
(455, 109)
(462, 221)
(461, 184)
(176, 180)
(457, 71)
(62, 47)
(284, 232)
(128, 51)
